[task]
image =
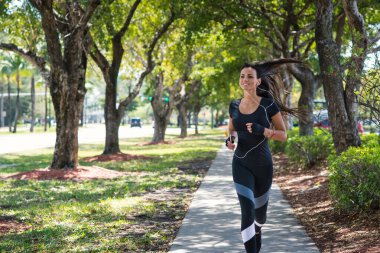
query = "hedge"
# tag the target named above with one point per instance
(355, 178)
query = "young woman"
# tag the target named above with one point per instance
(254, 119)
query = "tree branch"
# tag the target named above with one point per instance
(53, 43)
(275, 28)
(35, 60)
(275, 44)
(117, 47)
(150, 62)
(306, 43)
(128, 20)
(306, 6)
(88, 14)
(340, 29)
(374, 50)
(375, 38)
(99, 58)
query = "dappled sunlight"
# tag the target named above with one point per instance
(120, 206)
(140, 210)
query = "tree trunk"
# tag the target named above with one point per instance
(9, 117)
(17, 108)
(343, 126)
(113, 115)
(359, 52)
(182, 112)
(2, 105)
(196, 101)
(217, 117)
(161, 110)
(197, 109)
(33, 101)
(212, 117)
(111, 119)
(46, 108)
(196, 119)
(309, 83)
(67, 105)
(288, 85)
(162, 113)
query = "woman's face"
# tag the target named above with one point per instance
(248, 79)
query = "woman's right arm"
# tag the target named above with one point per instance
(231, 132)
(231, 128)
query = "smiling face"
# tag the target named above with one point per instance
(248, 79)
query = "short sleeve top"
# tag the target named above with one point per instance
(246, 141)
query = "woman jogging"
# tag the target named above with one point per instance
(253, 120)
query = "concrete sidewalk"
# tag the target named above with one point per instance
(212, 223)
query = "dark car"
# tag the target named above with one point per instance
(135, 122)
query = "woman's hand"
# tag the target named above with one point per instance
(255, 128)
(230, 142)
(249, 127)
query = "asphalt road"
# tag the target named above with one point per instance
(13, 143)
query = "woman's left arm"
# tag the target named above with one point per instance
(279, 131)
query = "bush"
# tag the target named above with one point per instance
(278, 146)
(309, 150)
(355, 177)
(370, 140)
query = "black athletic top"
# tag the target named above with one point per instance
(261, 154)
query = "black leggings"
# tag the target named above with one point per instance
(252, 185)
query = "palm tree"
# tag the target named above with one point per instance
(31, 73)
(6, 70)
(13, 67)
(1, 100)
(2, 83)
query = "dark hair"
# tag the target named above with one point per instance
(271, 84)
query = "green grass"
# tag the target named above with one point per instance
(25, 129)
(119, 215)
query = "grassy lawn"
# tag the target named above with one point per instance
(138, 212)
(24, 129)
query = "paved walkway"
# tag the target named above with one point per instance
(212, 223)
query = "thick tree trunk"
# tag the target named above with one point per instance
(182, 112)
(68, 92)
(17, 108)
(161, 110)
(112, 119)
(67, 105)
(160, 126)
(33, 101)
(162, 113)
(112, 134)
(309, 83)
(344, 128)
(306, 106)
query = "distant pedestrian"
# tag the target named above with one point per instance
(251, 119)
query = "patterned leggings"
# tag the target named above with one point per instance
(252, 185)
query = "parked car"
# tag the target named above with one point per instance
(135, 122)
(325, 124)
